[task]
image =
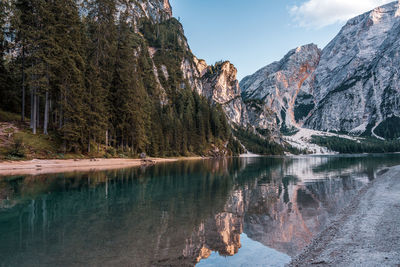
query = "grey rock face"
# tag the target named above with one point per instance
(352, 86)
(155, 10)
(190, 70)
(356, 85)
(278, 89)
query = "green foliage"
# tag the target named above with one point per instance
(130, 103)
(348, 146)
(8, 116)
(389, 128)
(96, 79)
(216, 68)
(8, 97)
(301, 111)
(256, 104)
(256, 144)
(17, 149)
(101, 52)
(39, 145)
(111, 152)
(235, 146)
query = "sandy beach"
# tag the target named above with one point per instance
(36, 167)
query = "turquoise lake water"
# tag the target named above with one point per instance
(232, 212)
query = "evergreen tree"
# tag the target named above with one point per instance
(9, 98)
(92, 80)
(101, 48)
(70, 70)
(3, 71)
(20, 26)
(129, 98)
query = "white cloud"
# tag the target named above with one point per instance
(321, 13)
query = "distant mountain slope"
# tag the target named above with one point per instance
(352, 86)
(278, 88)
(356, 84)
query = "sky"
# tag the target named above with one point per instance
(254, 33)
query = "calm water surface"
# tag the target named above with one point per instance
(232, 212)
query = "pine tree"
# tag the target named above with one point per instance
(91, 79)
(100, 59)
(130, 102)
(3, 71)
(70, 72)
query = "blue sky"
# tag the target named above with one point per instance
(254, 33)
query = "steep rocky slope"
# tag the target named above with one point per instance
(155, 10)
(221, 86)
(351, 86)
(278, 88)
(356, 85)
(218, 83)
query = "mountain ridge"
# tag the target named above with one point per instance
(351, 83)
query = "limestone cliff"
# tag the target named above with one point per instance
(274, 94)
(156, 11)
(351, 86)
(356, 84)
(221, 86)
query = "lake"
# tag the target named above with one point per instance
(231, 212)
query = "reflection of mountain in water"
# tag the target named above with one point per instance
(173, 214)
(287, 219)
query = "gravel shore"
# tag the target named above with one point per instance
(367, 233)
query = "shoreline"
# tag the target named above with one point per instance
(49, 166)
(365, 233)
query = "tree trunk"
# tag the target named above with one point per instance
(38, 111)
(32, 106)
(88, 148)
(23, 85)
(60, 117)
(107, 138)
(34, 111)
(46, 114)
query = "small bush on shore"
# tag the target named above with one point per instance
(17, 149)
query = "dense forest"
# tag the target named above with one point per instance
(365, 145)
(81, 71)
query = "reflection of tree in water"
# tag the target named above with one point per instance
(145, 215)
(173, 214)
(362, 163)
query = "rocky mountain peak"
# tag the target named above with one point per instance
(156, 11)
(168, 8)
(221, 86)
(351, 86)
(201, 66)
(220, 83)
(356, 84)
(277, 86)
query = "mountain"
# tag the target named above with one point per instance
(356, 84)
(351, 86)
(156, 11)
(112, 78)
(123, 80)
(220, 86)
(278, 89)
